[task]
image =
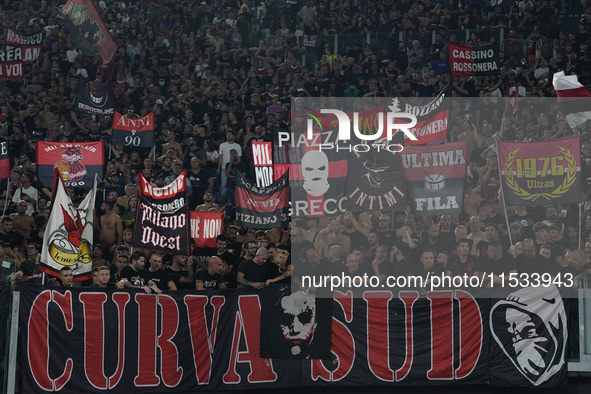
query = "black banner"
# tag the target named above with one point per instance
(167, 198)
(161, 231)
(262, 208)
(133, 132)
(94, 98)
(377, 180)
(295, 325)
(85, 340)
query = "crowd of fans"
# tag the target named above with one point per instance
(220, 75)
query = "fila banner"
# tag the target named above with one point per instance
(432, 117)
(263, 163)
(94, 98)
(4, 160)
(87, 30)
(435, 177)
(473, 60)
(205, 227)
(68, 237)
(262, 208)
(161, 231)
(129, 341)
(77, 163)
(541, 173)
(133, 132)
(167, 198)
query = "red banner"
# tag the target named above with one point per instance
(205, 227)
(11, 70)
(77, 163)
(133, 132)
(468, 60)
(4, 161)
(262, 157)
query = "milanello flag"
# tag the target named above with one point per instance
(573, 98)
(133, 132)
(161, 231)
(262, 208)
(472, 60)
(295, 325)
(94, 98)
(88, 32)
(68, 237)
(262, 158)
(541, 173)
(376, 182)
(432, 117)
(77, 163)
(205, 227)
(167, 198)
(435, 177)
(4, 160)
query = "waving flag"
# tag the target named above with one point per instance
(68, 237)
(573, 98)
(133, 132)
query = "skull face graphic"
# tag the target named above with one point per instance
(530, 327)
(315, 173)
(299, 320)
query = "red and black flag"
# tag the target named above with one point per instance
(76, 163)
(133, 132)
(167, 198)
(473, 60)
(88, 32)
(4, 160)
(30, 46)
(573, 98)
(435, 177)
(262, 208)
(161, 231)
(94, 97)
(432, 117)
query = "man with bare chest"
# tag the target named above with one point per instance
(22, 222)
(111, 230)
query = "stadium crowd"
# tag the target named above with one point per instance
(220, 75)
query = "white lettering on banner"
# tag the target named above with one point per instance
(434, 203)
(433, 159)
(252, 219)
(423, 110)
(11, 70)
(171, 222)
(473, 55)
(212, 228)
(13, 38)
(31, 54)
(475, 67)
(3, 148)
(316, 208)
(66, 146)
(169, 190)
(11, 54)
(438, 126)
(149, 236)
(388, 198)
(172, 206)
(135, 123)
(88, 108)
(261, 154)
(195, 227)
(264, 176)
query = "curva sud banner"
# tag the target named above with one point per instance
(435, 177)
(541, 173)
(87, 340)
(167, 198)
(161, 231)
(472, 60)
(262, 208)
(77, 163)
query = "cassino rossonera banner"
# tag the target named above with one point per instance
(91, 341)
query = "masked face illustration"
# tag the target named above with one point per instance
(299, 320)
(315, 173)
(530, 327)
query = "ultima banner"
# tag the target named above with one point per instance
(81, 341)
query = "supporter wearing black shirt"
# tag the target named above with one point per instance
(280, 271)
(181, 272)
(210, 278)
(134, 273)
(462, 262)
(496, 261)
(233, 245)
(200, 182)
(157, 275)
(530, 262)
(8, 236)
(254, 273)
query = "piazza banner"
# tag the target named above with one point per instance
(541, 173)
(108, 340)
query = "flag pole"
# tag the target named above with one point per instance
(6, 199)
(503, 196)
(580, 223)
